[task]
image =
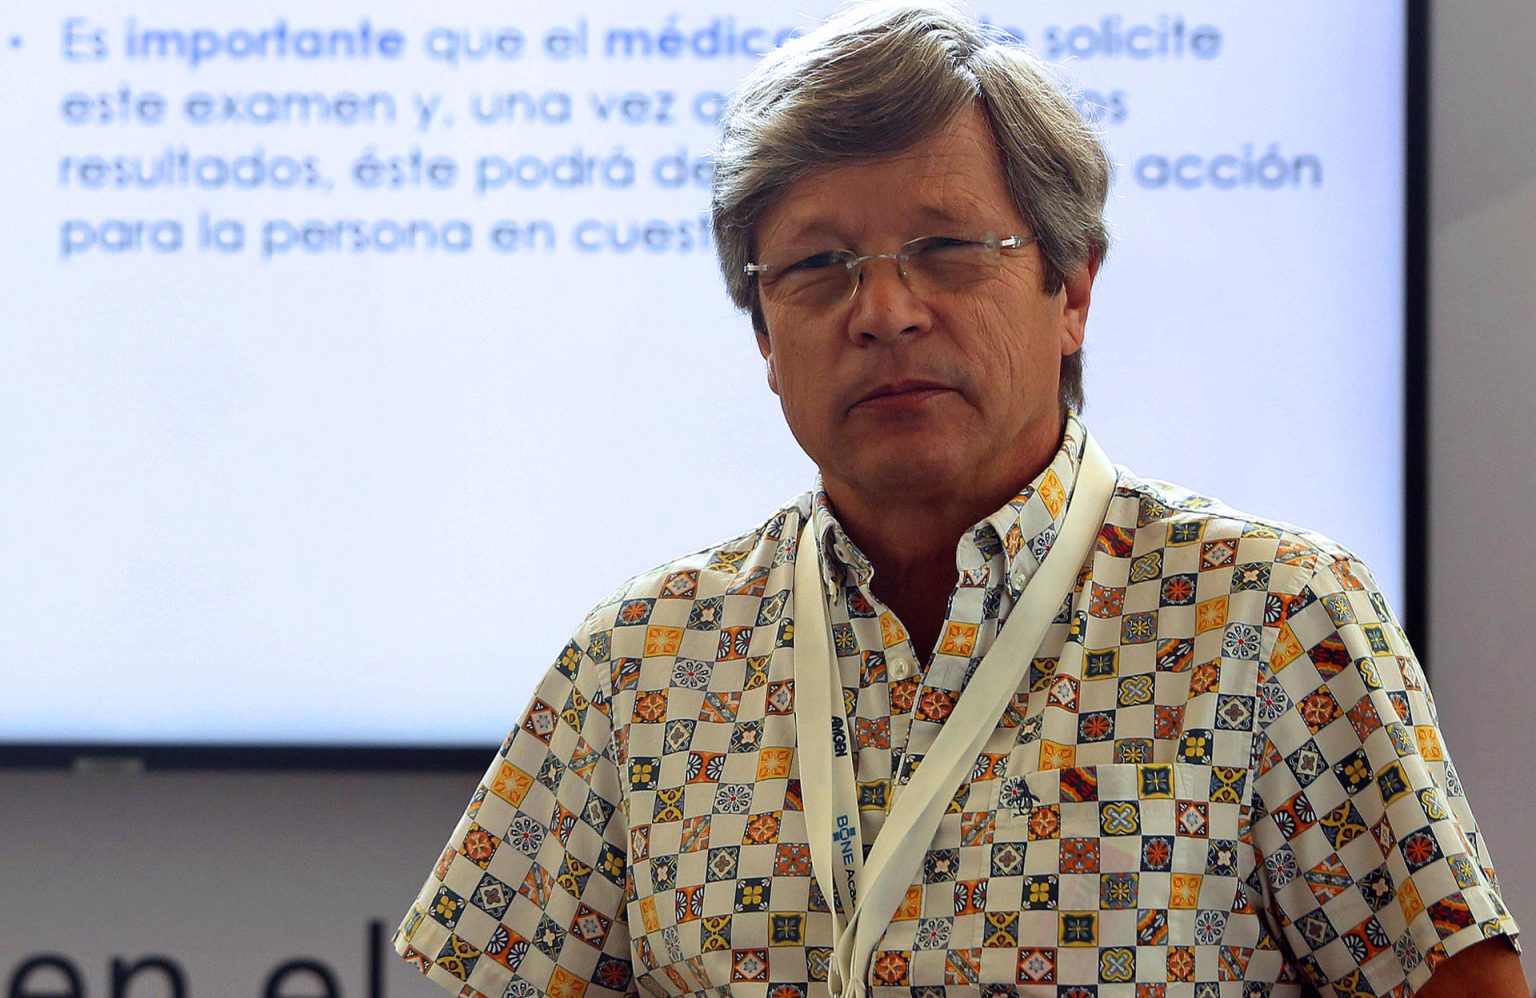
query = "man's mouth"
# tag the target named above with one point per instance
(900, 394)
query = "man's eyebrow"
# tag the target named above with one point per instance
(963, 212)
(817, 230)
(826, 233)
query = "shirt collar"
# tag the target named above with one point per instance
(1022, 531)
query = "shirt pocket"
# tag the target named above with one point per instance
(1095, 872)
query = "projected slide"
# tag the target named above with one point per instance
(349, 353)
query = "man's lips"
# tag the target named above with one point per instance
(900, 394)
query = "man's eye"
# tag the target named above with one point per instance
(817, 262)
(942, 243)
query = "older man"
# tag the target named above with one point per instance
(980, 711)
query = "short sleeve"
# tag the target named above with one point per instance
(1373, 865)
(528, 896)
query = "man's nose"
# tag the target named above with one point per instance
(884, 304)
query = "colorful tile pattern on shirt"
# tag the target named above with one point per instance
(1221, 775)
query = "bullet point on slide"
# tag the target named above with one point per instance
(15, 41)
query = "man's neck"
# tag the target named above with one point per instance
(910, 539)
(911, 547)
(913, 554)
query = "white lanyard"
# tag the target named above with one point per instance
(870, 895)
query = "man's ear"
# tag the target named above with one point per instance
(1077, 290)
(765, 347)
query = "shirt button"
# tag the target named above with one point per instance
(901, 668)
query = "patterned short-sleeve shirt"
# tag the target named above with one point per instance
(1221, 775)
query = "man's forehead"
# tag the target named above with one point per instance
(951, 177)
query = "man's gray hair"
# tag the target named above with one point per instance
(878, 78)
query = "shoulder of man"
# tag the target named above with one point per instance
(738, 566)
(1166, 523)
